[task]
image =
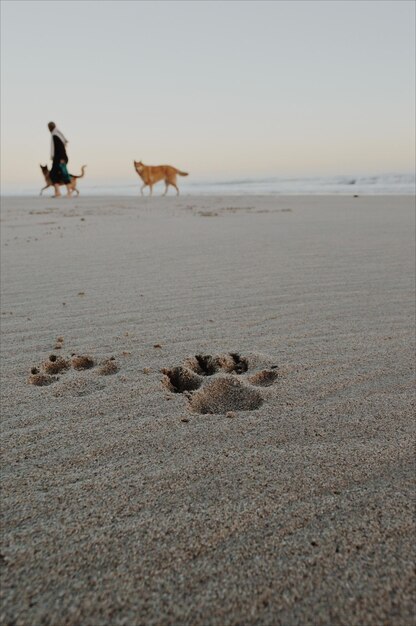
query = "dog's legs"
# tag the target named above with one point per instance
(76, 191)
(142, 187)
(166, 189)
(43, 189)
(151, 190)
(177, 190)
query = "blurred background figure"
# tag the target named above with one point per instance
(59, 173)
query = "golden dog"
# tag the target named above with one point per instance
(151, 174)
(71, 187)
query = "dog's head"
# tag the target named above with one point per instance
(44, 169)
(138, 166)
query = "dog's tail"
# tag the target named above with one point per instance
(182, 173)
(82, 172)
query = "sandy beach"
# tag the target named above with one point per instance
(241, 450)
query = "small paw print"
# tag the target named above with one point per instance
(47, 372)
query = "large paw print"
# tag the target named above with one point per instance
(221, 383)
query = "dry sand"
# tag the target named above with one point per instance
(124, 500)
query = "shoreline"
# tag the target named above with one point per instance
(218, 195)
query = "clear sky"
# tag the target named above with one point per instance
(221, 88)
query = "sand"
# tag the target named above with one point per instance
(125, 499)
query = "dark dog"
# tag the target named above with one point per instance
(71, 187)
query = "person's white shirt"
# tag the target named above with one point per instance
(60, 136)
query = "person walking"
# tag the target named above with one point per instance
(59, 173)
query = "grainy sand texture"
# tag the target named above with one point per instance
(207, 411)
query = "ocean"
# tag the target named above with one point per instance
(382, 184)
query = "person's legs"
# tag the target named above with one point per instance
(55, 175)
(64, 173)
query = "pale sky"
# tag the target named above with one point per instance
(216, 88)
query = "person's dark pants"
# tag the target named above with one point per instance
(65, 175)
(59, 174)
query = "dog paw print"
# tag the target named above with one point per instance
(221, 383)
(40, 379)
(46, 373)
(52, 370)
(82, 362)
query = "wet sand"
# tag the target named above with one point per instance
(240, 451)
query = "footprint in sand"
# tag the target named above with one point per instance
(55, 364)
(108, 367)
(77, 387)
(221, 383)
(82, 362)
(47, 373)
(40, 379)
